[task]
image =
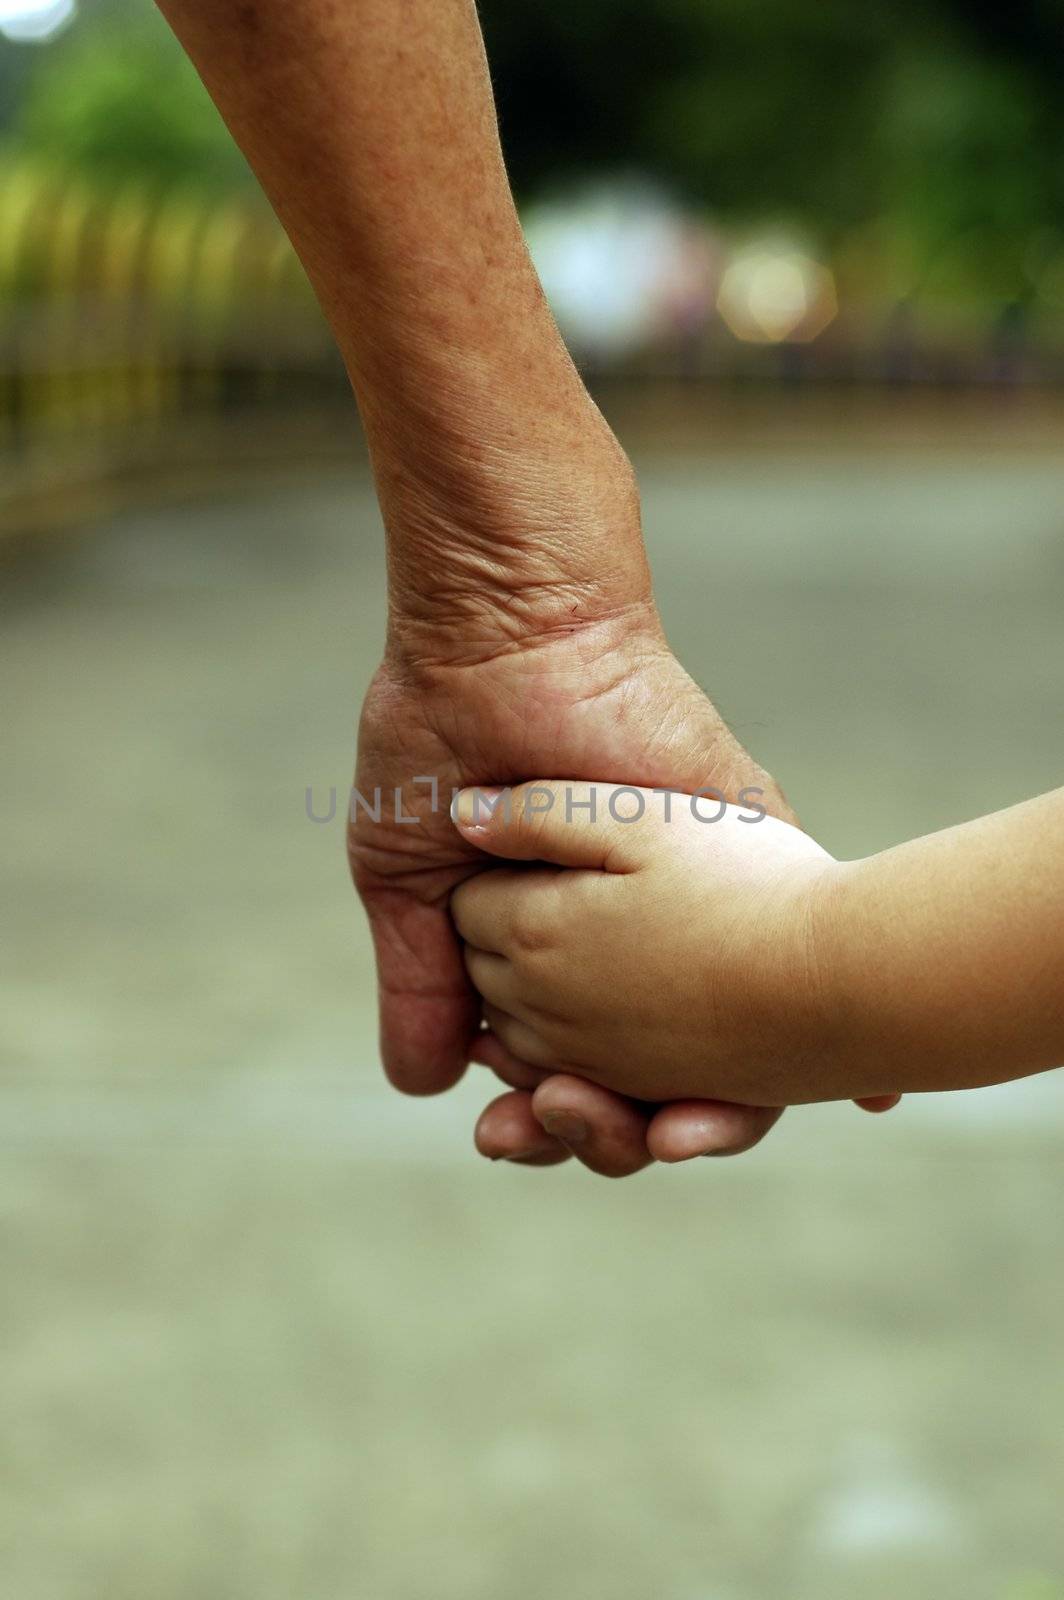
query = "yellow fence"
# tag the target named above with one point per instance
(121, 309)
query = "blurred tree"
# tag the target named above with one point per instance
(116, 96)
(966, 156)
(939, 121)
(751, 106)
(13, 71)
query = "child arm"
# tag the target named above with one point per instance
(738, 960)
(946, 954)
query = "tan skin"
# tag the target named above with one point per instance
(685, 955)
(522, 632)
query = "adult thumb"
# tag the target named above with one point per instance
(562, 821)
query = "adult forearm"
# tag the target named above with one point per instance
(372, 127)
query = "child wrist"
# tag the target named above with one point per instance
(852, 958)
(836, 967)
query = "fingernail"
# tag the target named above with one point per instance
(565, 1125)
(473, 807)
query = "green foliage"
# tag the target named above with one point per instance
(120, 100)
(937, 124)
(773, 109)
(963, 147)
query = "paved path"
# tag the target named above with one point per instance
(271, 1331)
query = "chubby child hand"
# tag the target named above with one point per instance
(675, 955)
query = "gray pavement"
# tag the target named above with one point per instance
(270, 1331)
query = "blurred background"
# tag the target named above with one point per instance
(270, 1330)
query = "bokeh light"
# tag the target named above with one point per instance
(772, 292)
(621, 264)
(35, 21)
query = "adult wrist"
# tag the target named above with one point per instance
(526, 552)
(426, 642)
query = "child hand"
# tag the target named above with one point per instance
(678, 955)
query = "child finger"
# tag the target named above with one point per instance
(494, 979)
(489, 1051)
(481, 905)
(571, 823)
(520, 1038)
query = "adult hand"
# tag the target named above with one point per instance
(569, 678)
(523, 638)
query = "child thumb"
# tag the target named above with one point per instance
(558, 820)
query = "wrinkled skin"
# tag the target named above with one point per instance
(602, 699)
